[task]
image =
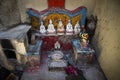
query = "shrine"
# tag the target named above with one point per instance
(59, 40)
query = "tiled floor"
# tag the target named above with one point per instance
(91, 72)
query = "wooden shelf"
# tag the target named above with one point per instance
(56, 34)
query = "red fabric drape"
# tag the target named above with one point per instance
(56, 3)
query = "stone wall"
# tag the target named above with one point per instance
(107, 37)
(9, 13)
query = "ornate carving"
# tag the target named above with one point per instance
(55, 17)
(35, 22)
(75, 19)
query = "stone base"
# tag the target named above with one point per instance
(51, 32)
(69, 33)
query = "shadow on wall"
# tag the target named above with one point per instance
(91, 22)
(91, 25)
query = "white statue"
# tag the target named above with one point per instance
(51, 28)
(69, 27)
(42, 28)
(60, 28)
(57, 45)
(77, 27)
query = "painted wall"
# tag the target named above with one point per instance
(107, 37)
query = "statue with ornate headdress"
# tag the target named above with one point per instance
(60, 27)
(84, 40)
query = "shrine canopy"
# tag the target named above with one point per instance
(56, 11)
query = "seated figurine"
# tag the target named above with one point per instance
(84, 43)
(60, 28)
(42, 28)
(57, 45)
(51, 28)
(69, 28)
(77, 28)
(84, 40)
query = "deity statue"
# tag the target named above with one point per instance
(69, 28)
(60, 28)
(42, 28)
(84, 40)
(51, 28)
(57, 45)
(77, 27)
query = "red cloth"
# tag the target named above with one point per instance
(71, 70)
(90, 58)
(48, 43)
(56, 3)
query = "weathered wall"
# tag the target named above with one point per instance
(3, 60)
(36, 4)
(69, 4)
(107, 37)
(9, 13)
(20, 57)
(89, 4)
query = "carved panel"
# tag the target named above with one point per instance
(35, 23)
(75, 19)
(55, 18)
